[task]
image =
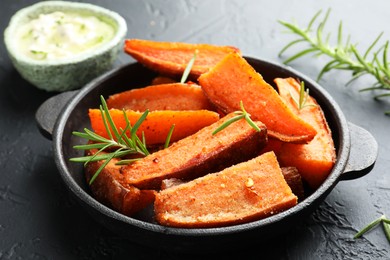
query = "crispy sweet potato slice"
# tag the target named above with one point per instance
(198, 154)
(158, 123)
(316, 159)
(244, 192)
(174, 96)
(171, 58)
(110, 188)
(233, 80)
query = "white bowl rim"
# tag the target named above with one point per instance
(100, 11)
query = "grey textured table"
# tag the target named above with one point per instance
(38, 218)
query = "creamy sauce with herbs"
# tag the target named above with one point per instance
(60, 35)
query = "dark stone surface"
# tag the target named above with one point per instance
(38, 218)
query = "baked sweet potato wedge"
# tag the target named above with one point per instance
(174, 96)
(316, 159)
(233, 80)
(111, 189)
(198, 154)
(171, 58)
(158, 123)
(244, 192)
(290, 174)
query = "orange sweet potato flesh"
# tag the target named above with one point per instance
(158, 123)
(233, 80)
(111, 189)
(174, 96)
(316, 159)
(198, 154)
(245, 192)
(171, 58)
(273, 145)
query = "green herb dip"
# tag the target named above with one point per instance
(60, 35)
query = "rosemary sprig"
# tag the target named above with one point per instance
(303, 96)
(343, 56)
(118, 142)
(243, 114)
(385, 223)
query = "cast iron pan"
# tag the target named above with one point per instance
(67, 112)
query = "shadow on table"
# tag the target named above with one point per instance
(19, 95)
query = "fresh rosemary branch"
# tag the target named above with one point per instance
(385, 223)
(343, 56)
(118, 142)
(239, 115)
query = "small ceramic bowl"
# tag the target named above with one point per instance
(72, 71)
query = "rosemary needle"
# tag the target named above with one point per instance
(188, 68)
(168, 139)
(386, 227)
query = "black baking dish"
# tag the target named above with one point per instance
(59, 116)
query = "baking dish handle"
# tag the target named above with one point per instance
(363, 153)
(47, 113)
